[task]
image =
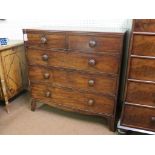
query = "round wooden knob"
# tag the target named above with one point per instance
(45, 57)
(48, 94)
(43, 40)
(92, 62)
(46, 75)
(91, 82)
(153, 119)
(92, 43)
(91, 102)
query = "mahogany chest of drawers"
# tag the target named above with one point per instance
(139, 108)
(75, 70)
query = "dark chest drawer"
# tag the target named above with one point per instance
(104, 43)
(74, 79)
(139, 117)
(142, 69)
(141, 93)
(46, 40)
(144, 25)
(70, 98)
(143, 45)
(75, 60)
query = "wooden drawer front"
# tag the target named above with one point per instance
(144, 25)
(73, 99)
(75, 60)
(139, 117)
(141, 93)
(96, 43)
(143, 45)
(142, 69)
(50, 40)
(73, 79)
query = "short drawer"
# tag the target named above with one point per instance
(46, 40)
(96, 43)
(141, 93)
(75, 60)
(144, 25)
(142, 69)
(138, 117)
(97, 104)
(143, 45)
(74, 79)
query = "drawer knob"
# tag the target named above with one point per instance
(153, 119)
(92, 62)
(45, 57)
(48, 94)
(43, 40)
(92, 43)
(91, 82)
(46, 76)
(91, 102)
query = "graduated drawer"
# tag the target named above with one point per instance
(141, 93)
(73, 79)
(70, 98)
(144, 25)
(46, 40)
(75, 60)
(143, 45)
(105, 43)
(138, 117)
(142, 69)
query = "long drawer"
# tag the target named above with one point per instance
(139, 117)
(75, 60)
(74, 79)
(66, 97)
(141, 93)
(102, 43)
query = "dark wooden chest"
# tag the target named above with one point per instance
(139, 107)
(76, 71)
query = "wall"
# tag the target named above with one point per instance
(12, 28)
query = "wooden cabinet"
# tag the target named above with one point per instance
(138, 112)
(13, 72)
(75, 70)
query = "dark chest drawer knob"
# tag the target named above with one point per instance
(45, 57)
(153, 119)
(47, 94)
(92, 43)
(43, 40)
(92, 62)
(91, 82)
(91, 102)
(46, 76)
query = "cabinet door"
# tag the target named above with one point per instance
(14, 68)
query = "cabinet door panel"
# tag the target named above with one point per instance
(13, 61)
